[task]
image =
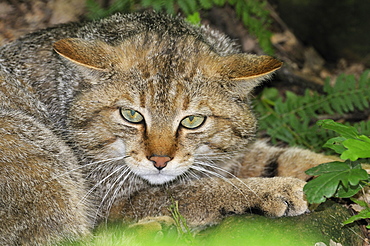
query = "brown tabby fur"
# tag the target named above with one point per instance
(69, 157)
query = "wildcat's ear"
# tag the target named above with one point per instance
(91, 54)
(247, 67)
(245, 71)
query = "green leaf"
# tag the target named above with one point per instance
(360, 202)
(336, 179)
(345, 131)
(157, 4)
(219, 2)
(365, 139)
(320, 188)
(169, 6)
(357, 175)
(146, 3)
(335, 144)
(335, 166)
(350, 145)
(206, 4)
(346, 192)
(183, 4)
(355, 149)
(364, 214)
(270, 95)
(194, 18)
(193, 6)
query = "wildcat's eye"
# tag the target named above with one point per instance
(132, 116)
(193, 121)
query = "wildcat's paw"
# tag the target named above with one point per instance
(283, 197)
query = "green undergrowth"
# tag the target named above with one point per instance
(342, 179)
(291, 119)
(254, 232)
(242, 230)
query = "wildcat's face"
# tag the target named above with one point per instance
(168, 109)
(164, 127)
(170, 126)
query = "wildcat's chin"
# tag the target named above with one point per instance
(159, 179)
(147, 171)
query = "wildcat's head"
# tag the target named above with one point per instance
(160, 107)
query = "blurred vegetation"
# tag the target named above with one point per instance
(252, 13)
(322, 226)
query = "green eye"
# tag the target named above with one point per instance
(193, 121)
(132, 116)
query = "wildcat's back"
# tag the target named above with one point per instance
(97, 112)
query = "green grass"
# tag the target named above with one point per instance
(320, 226)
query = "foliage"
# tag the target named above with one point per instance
(95, 11)
(350, 144)
(253, 13)
(363, 214)
(183, 229)
(338, 179)
(341, 179)
(291, 119)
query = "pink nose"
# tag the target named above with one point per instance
(160, 162)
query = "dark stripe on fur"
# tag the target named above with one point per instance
(271, 168)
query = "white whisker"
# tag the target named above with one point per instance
(126, 172)
(101, 182)
(89, 164)
(105, 161)
(211, 164)
(209, 172)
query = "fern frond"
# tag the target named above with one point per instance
(292, 120)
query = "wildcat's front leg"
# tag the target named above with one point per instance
(207, 201)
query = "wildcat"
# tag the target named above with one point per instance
(116, 118)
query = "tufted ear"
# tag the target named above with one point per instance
(243, 71)
(248, 67)
(91, 54)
